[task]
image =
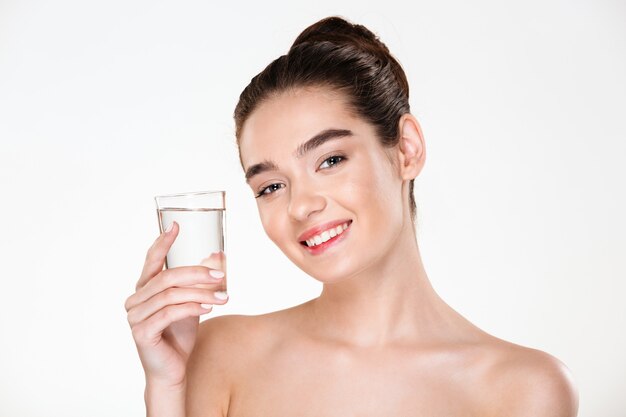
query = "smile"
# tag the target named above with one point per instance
(326, 235)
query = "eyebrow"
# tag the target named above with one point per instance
(316, 141)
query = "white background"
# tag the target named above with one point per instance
(105, 104)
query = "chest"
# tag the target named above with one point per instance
(339, 383)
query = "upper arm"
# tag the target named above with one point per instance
(536, 384)
(208, 376)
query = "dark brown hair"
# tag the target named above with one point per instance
(345, 57)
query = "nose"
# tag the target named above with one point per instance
(304, 201)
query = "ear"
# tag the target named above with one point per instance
(412, 152)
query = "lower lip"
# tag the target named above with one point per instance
(318, 249)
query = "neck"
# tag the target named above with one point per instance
(393, 301)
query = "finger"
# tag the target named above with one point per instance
(155, 258)
(173, 296)
(149, 331)
(217, 260)
(183, 276)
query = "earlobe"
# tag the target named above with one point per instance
(412, 150)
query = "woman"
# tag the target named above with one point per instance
(330, 150)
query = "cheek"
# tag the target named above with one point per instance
(372, 184)
(271, 217)
(376, 194)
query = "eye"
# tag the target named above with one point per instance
(272, 187)
(337, 158)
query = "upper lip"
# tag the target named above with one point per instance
(316, 230)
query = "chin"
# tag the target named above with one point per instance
(334, 273)
(343, 259)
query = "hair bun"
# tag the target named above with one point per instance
(337, 30)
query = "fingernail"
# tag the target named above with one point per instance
(216, 274)
(169, 228)
(221, 295)
(206, 306)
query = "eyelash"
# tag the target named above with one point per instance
(342, 158)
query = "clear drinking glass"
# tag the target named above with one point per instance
(201, 217)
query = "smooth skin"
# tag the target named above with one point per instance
(163, 316)
(378, 340)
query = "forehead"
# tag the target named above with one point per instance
(282, 122)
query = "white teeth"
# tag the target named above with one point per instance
(326, 235)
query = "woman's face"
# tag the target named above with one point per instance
(341, 175)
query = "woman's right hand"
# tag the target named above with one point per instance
(164, 311)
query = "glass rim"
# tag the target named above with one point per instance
(192, 193)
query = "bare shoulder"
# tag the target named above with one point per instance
(522, 382)
(223, 346)
(226, 347)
